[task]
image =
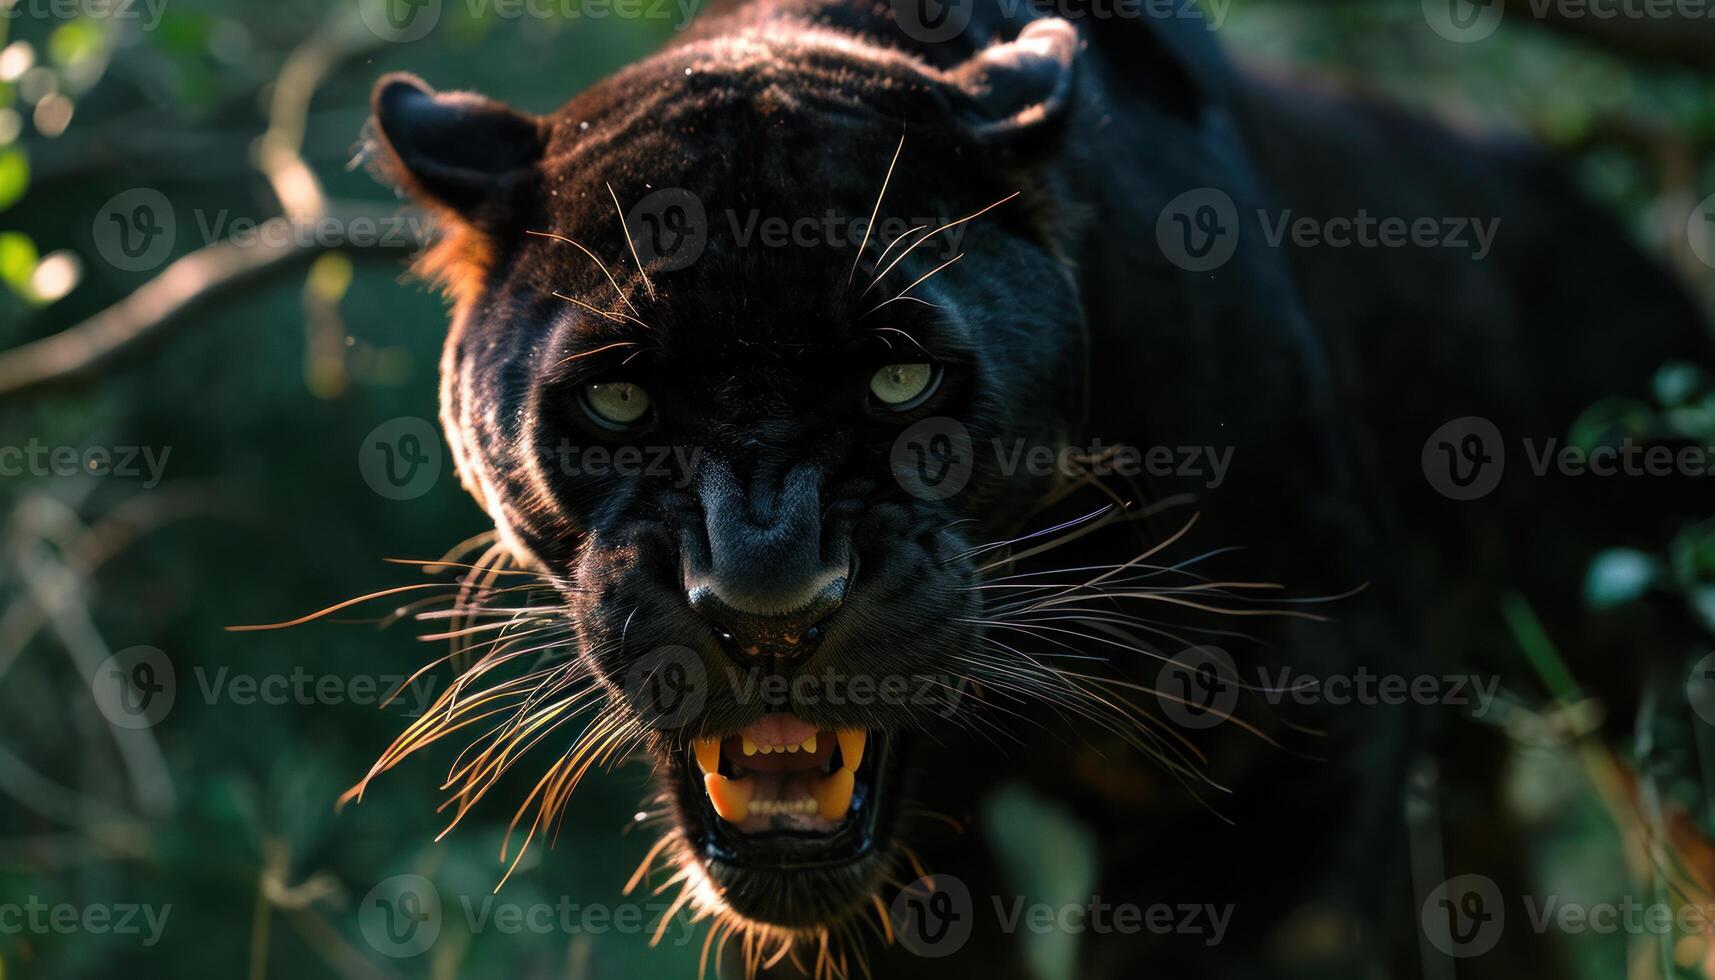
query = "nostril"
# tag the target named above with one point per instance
(747, 633)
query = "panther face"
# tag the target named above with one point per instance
(732, 466)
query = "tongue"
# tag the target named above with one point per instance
(781, 728)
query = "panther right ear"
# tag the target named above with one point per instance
(1017, 87)
(452, 151)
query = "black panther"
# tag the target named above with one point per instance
(1055, 235)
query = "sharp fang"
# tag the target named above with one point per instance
(852, 742)
(708, 753)
(731, 797)
(749, 747)
(809, 743)
(833, 794)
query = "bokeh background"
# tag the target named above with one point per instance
(256, 370)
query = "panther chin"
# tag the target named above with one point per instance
(790, 822)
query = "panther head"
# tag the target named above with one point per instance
(733, 457)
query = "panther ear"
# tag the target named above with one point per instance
(454, 151)
(1017, 87)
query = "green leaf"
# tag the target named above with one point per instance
(1703, 603)
(1678, 382)
(14, 176)
(1694, 422)
(1609, 421)
(1693, 554)
(1618, 576)
(75, 42)
(18, 258)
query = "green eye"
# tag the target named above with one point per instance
(903, 385)
(615, 404)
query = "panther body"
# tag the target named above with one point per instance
(1079, 159)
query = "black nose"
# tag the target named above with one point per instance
(770, 572)
(786, 629)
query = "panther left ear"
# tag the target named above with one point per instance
(454, 150)
(1017, 87)
(467, 159)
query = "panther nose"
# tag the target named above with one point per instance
(783, 626)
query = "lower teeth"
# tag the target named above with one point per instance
(769, 808)
(830, 795)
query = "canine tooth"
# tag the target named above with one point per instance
(731, 797)
(708, 752)
(749, 746)
(852, 741)
(809, 743)
(833, 794)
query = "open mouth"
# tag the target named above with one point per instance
(782, 791)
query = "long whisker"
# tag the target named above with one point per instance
(648, 285)
(613, 315)
(919, 242)
(914, 285)
(599, 264)
(867, 228)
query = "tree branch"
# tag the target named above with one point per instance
(208, 272)
(188, 284)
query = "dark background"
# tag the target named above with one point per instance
(262, 395)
